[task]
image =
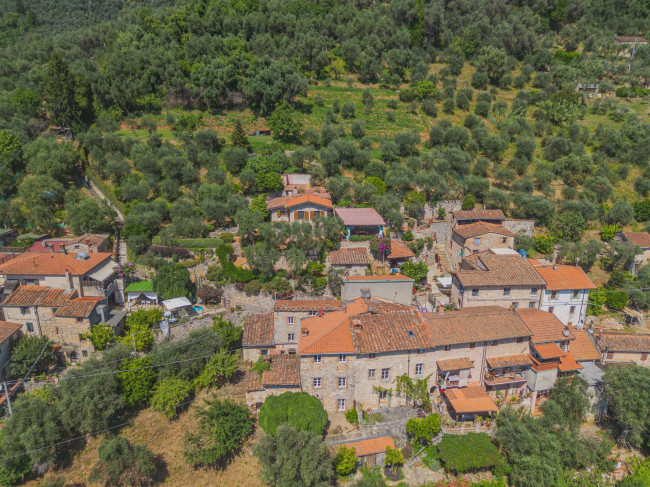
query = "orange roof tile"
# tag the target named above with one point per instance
(307, 198)
(489, 268)
(642, 239)
(509, 361)
(623, 342)
(478, 215)
(481, 228)
(583, 348)
(26, 296)
(360, 217)
(7, 329)
(460, 363)
(378, 278)
(79, 307)
(546, 327)
(38, 264)
(548, 351)
(389, 332)
(349, 256)
(568, 363)
(258, 330)
(564, 277)
(369, 446)
(470, 399)
(398, 250)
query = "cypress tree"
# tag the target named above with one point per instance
(239, 137)
(60, 90)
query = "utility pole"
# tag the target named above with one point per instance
(8, 399)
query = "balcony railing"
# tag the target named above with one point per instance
(493, 380)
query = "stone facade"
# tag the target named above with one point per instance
(516, 296)
(520, 227)
(286, 323)
(460, 247)
(627, 357)
(300, 213)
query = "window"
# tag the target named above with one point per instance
(372, 355)
(316, 213)
(477, 241)
(610, 355)
(447, 348)
(515, 305)
(291, 337)
(575, 293)
(474, 292)
(572, 310)
(30, 327)
(520, 339)
(553, 294)
(383, 395)
(80, 320)
(418, 369)
(342, 382)
(343, 358)
(533, 291)
(81, 337)
(264, 352)
(472, 345)
(504, 239)
(371, 373)
(318, 359)
(54, 310)
(301, 215)
(313, 313)
(23, 310)
(531, 304)
(341, 403)
(420, 350)
(506, 291)
(84, 353)
(385, 374)
(317, 382)
(550, 310)
(289, 320)
(495, 342)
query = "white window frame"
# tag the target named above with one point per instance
(418, 369)
(371, 373)
(340, 404)
(343, 382)
(343, 358)
(291, 337)
(385, 374)
(290, 320)
(317, 382)
(318, 359)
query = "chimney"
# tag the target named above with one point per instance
(304, 332)
(565, 332)
(44, 243)
(320, 312)
(511, 308)
(356, 324)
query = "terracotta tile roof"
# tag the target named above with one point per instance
(481, 228)
(378, 278)
(564, 277)
(488, 269)
(509, 361)
(478, 215)
(399, 250)
(583, 348)
(258, 330)
(7, 330)
(369, 446)
(470, 399)
(27, 296)
(568, 363)
(544, 326)
(389, 332)
(253, 381)
(79, 307)
(623, 342)
(642, 239)
(299, 199)
(49, 245)
(285, 371)
(37, 264)
(307, 305)
(460, 363)
(349, 256)
(360, 217)
(479, 324)
(548, 351)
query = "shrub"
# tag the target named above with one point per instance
(468, 202)
(469, 453)
(352, 416)
(345, 461)
(429, 107)
(210, 294)
(226, 237)
(616, 300)
(430, 458)
(607, 231)
(301, 410)
(423, 430)
(121, 463)
(408, 236)
(394, 457)
(543, 244)
(169, 394)
(596, 302)
(252, 287)
(169, 251)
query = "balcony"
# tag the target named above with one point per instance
(508, 378)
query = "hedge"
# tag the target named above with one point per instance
(197, 243)
(469, 453)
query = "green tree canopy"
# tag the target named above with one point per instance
(172, 281)
(301, 410)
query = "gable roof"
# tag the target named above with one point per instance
(583, 347)
(299, 199)
(478, 215)
(389, 332)
(360, 217)
(79, 307)
(284, 371)
(481, 228)
(258, 330)
(515, 360)
(494, 269)
(461, 363)
(53, 264)
(7, 329)
(349, 256)
(545, 327)
(478, 324)
(548, 350)
(28, 296)
(642, 239)
(307, 305)
(623, 342)
(399, 250)
(564, 277)
(369, 446)
(470, 399)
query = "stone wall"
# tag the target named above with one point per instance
(622, 357)
(350, 244)
(261, 302)
(486, 241)
(521, 227)
(493, 296)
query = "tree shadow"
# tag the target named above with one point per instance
(304, 108)
(162, 472)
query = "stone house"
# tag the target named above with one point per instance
(566, 292)
(288, 315)
(642, 239)
(477, 237)
(370, 452)
(88, 243)
(257, 339)
(88, 274)
(496, 277)
(353, 261)
(395, 288)
(399, 253)
(299, 208)
(9, 333)
(282, 376)
(623, 348)
(361, 221)
(466, 217)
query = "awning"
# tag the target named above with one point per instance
(509, 361)
(176, 303)
(103, 273)
(135, 295)
(470, 399)
(455, 364)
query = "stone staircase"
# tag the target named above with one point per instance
(444, 258)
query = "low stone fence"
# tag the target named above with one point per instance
(463, 429)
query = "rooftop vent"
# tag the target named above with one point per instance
(357, 325)
(82, 256)
(411, 334)
(365, 293)
(305, 332)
